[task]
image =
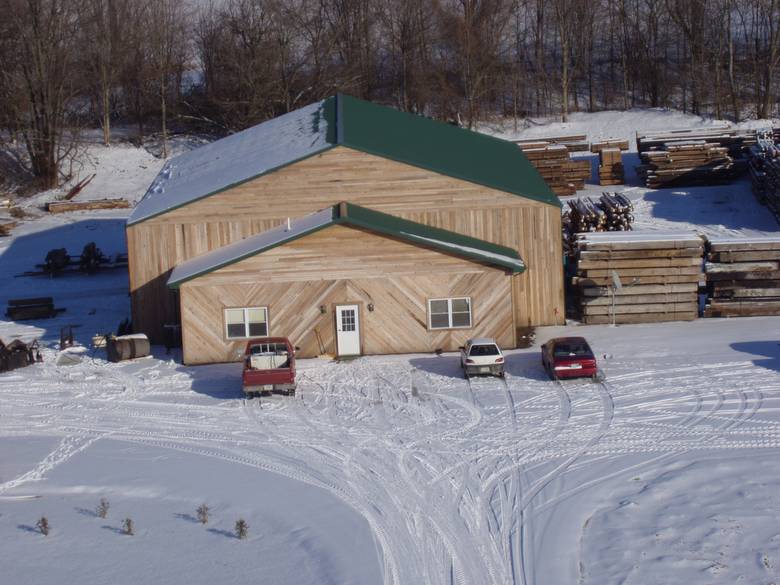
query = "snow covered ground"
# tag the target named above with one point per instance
(394, 469)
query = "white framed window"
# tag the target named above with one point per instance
(452, 313)
(241, 323)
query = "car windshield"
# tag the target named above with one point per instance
(571, 348)
(487, 349)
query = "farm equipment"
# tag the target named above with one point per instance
(59, 262)
(269, 366)
(127, 347)
(18, 354)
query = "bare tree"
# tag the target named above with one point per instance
(40, 39)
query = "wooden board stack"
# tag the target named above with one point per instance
(575, 143)
(618, 143)
(6, 227)
(735, 141)
(659, 272)
(743, 277)
(764, 167)
(687, 164)
(563, 175)
(611, 167)
(63, 206)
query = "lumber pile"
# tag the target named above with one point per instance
(575, 143)
(618, 143)
(611, 167)
(63, 206)
(6, 227)
(743, 277)
(764, 170)
(734, 141)
(562, 174)
(686, 164)
(658, 273)
(612, 212)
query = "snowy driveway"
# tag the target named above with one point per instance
(460, 483)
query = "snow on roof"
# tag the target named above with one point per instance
(506, 260)
(249, 246)
(235, 159)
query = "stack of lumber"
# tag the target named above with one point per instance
(618, 143)
(6, 227)
(743, 277)
(687, 164)
(611, 167)
(735, 141)
(562, 174)
(612, 212)
(659, 273)
(764, 167)
(575, 143)
(63, 206)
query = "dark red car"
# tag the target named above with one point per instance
(269, 366)
(569, 357)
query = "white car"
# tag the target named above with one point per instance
(482, 356)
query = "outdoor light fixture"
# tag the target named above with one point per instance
(323, 310)
(371, 307)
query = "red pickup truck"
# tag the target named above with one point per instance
(269, 366)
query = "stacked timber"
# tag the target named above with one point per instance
(63, 206)
(575, 143)
(562, 174)
(685, 164)
(743, 277)
(764, 168)
(611, 167)
(618, 143)
(659, 274)
(612, 212)
(736, 142)
(6, 227)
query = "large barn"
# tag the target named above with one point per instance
(351, 228)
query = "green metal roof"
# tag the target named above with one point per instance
(355, 216)
(443, 148)
(347, 121)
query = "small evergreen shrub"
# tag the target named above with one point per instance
(242, 529)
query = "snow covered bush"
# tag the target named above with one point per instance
(128, 527)
(203, 513)
(43, 526)
(102, 508)
(242, 529)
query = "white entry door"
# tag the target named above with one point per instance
(347, 330)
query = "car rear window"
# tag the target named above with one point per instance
(571, 349)
(479, 350)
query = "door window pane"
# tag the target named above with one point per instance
(347, 319)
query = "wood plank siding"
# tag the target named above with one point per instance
(341, 174)
(343, 265)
